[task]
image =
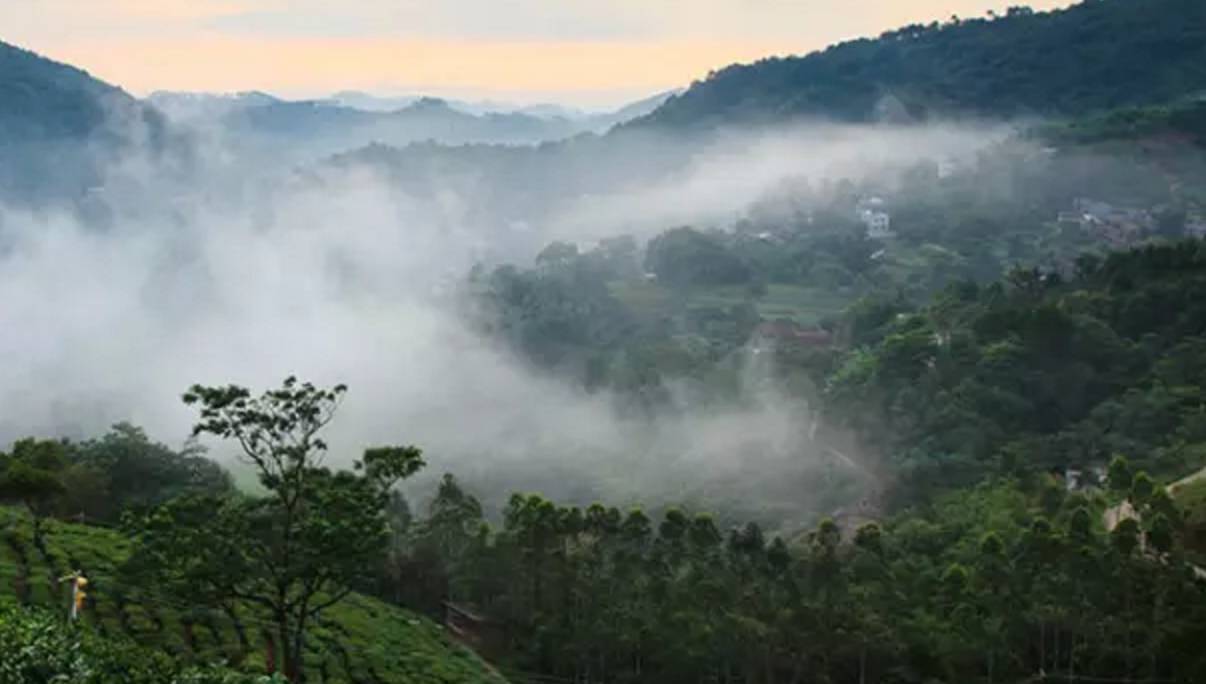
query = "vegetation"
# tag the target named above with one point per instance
(1003, 582)
(358, 640)
(1000, 411)
(1176, 120)
(232, 573)
(39, 648)
(1020, 63)
(1038, 372)
(299, 550)
(611, 317)
(1031, 440)
(47, 110)
(99, 479)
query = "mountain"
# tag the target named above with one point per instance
(303, 130)
(370, 103)
(47, 111)
(634, 110)
(1094, 56)
(194, 106)
(43, 100)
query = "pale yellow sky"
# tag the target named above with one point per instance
(583, 52)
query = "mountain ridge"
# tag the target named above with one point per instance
(1090, 57)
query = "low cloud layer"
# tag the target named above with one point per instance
(248, 279)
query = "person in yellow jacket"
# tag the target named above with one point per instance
(78, 584)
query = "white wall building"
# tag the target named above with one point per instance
(878, 223)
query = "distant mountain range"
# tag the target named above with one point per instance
(596, 120)
(1090, 58)
(350, 119)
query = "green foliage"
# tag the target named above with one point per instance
(1041, 374)
(297, 551)
(99, 479)
(358, 640)
(685, 258)
(37, 648)
(1020, 63)
(1175, 120)
(32, 476)
(131, 471)
(976, 586)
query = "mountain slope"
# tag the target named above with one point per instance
(44, 100)
(58, 126)
(359, 640)
(1098, 55)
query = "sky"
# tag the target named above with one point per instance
(586, 53)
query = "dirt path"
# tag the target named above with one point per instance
(1123, 511)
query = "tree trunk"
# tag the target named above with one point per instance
(269, 652)
(299, 649)
(1055, 658)
(1042, 646)
(289, 663)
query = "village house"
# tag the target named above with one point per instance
(784, 333)
(1082, 479)
(1116, 226)
(878, 222)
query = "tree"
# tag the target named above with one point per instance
(685, 258)
(140, 473)
(32, 477)
(298, 550)
(557, 254)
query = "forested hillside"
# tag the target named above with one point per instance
(1094, 56)
(1009, 417)
(707, 399)
(45, 100)
(1040, 373)
(58, 125)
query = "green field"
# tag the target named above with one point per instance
(360, 640)
(804, 305)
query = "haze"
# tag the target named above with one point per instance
(346, 277)
(590, 53)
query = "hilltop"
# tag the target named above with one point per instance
(1091, 57)
(47, 100)
(48, 111)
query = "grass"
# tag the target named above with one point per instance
(359, 640)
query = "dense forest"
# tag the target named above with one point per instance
(1091, 57)
(1013, 416)
(1017, 419)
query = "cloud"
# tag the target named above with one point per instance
(241, 272)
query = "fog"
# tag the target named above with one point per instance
(111, 306)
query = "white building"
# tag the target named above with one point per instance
(878, 223)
